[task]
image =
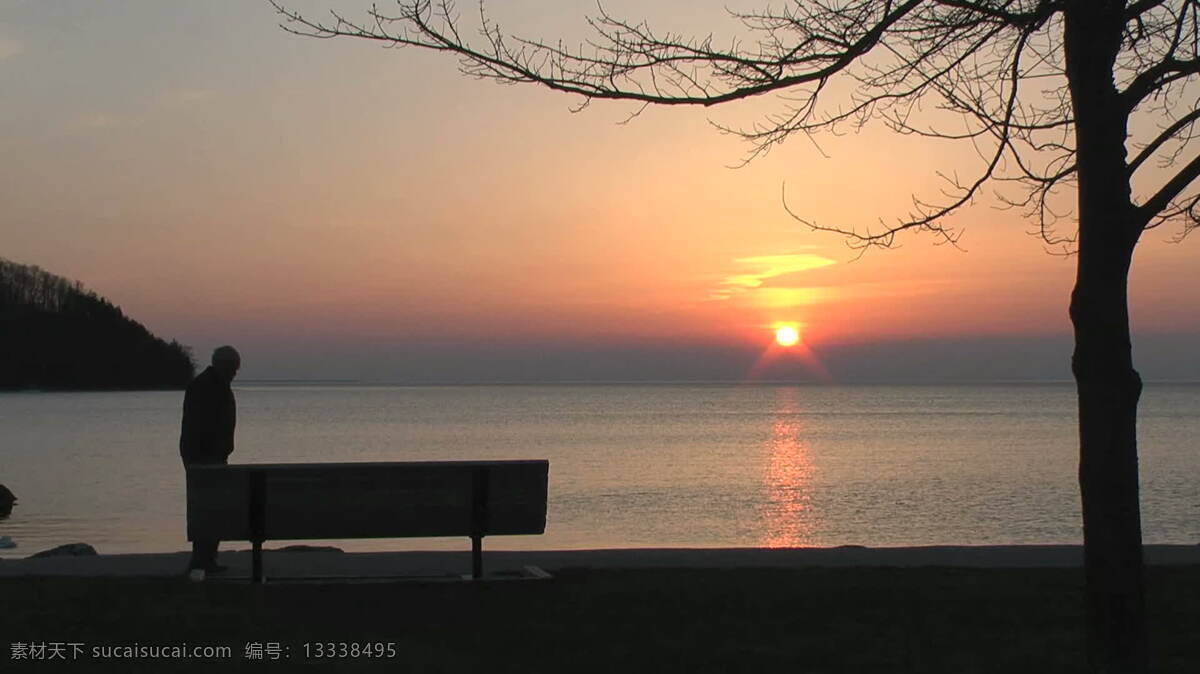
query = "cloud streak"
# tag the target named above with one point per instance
(185, 97)
(757, 271)
(10, 48)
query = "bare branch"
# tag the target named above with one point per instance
(927, 216)
(629, 49)
(1012, 19)
(1167, 193)
(1141, 7)
(1167, 134)
(1164, 73)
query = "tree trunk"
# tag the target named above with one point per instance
(1109, 389)
(1108, 386)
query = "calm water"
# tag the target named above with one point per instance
(629, 465)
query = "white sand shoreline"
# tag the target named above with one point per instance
(444, 563)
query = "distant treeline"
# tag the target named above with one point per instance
(54, 334)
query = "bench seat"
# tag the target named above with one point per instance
(304, 501)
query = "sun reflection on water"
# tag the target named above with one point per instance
(787, 510)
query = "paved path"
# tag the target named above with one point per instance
(282, 565)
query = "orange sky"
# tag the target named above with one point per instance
(225, 182)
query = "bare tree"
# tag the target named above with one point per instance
(1046, 91)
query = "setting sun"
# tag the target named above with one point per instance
(787, 335)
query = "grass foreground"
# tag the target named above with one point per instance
(689, 620)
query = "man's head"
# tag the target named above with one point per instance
(226, 361)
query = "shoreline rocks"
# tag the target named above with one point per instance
(68, 550)
(307, 548)
(7, 499)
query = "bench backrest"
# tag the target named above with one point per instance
(367, 500)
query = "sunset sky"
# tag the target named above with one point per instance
(338, 210)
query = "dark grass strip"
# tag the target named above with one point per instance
(955, 621)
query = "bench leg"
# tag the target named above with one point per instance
(256, 572)
(479, 519)
(477, 557)
(258, 522)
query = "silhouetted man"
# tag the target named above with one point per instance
(209, 416)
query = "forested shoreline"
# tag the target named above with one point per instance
(57, 335)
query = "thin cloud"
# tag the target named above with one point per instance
(758, 270)
(782, 298)
(10, 48)
(898, 289)
(95, 120)
(184, 97)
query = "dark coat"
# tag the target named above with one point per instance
(209, 416)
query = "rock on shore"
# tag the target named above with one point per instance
(68, 550)
(7, 499)
(308, 548)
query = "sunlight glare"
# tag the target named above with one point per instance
(787, 335)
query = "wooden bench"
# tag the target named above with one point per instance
(305, 501)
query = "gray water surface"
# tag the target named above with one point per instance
(630, 465)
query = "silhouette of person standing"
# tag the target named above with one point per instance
(209, 417)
